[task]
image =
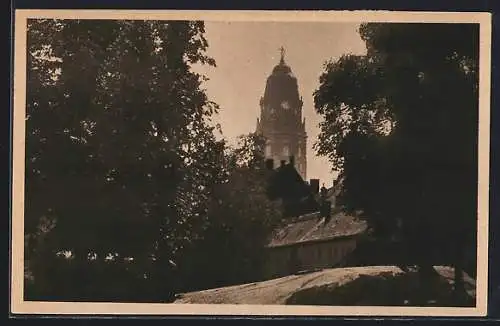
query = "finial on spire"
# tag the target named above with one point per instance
(282, 51)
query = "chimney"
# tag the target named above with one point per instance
(270, 164)
(282, 163)
(292, 160)
(314, 183)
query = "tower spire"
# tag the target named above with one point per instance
(281, 117)
(282, 52)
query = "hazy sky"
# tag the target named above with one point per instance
(246, 53)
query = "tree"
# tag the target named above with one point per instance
(129, 194)
(242, 218)
(401, 124)
(119, 154)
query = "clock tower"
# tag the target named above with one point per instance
(281, 121)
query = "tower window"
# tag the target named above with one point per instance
(286, 150)
(268, 150)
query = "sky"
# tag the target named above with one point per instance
(245, 54)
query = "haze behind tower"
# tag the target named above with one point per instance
(246, 53)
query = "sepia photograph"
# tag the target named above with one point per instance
(250, 163)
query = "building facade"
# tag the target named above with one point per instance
(312, 242)
(281, 121)
(309, 256)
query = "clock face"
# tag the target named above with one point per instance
(285, 105)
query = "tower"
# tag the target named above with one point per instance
(281, 121)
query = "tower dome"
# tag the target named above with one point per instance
(283, 69)
(281, 85)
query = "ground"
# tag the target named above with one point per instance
(369, 285)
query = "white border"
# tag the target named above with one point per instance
(22, 307)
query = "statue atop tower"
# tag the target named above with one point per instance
(282, 52)
(281, 119)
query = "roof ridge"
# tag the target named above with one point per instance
(307, 216)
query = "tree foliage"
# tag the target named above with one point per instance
(122, 165)
(242, 219)
(401, 124)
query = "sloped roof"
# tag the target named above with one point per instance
(287, 290)
(312, 227)
(287, 182)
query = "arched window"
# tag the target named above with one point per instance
(268, 150)
(286, 150)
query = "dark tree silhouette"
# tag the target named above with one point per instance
(117, 149)
(401, 123)
(129, 195)
(242, 217)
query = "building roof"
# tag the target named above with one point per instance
(286, 182)
(312, 228)
(327, 282)
(283, 68)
